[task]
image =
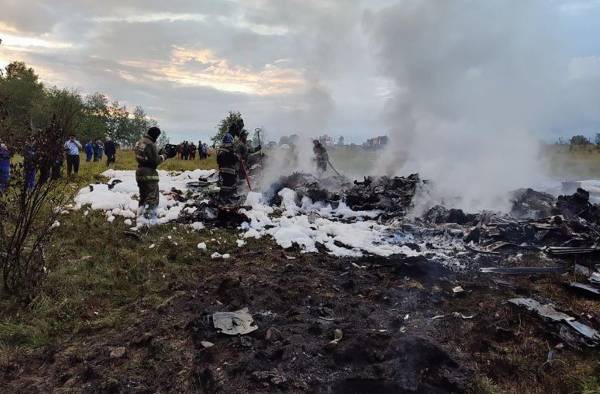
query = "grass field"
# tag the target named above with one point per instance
(564, 163)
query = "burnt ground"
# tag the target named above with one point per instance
(384, 308)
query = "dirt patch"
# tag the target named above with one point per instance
(403, 331)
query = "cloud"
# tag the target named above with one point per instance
(305, 65)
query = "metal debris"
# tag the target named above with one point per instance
(524, 270)
(590, 336)
(548, 311)
(585, 289)
(234, 323)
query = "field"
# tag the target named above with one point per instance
(119, 314)
(581, 163)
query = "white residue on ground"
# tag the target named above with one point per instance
(342, 231)
(122, 199)
(307, 224)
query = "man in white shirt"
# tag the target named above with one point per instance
(72, 147)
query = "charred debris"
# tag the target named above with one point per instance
(540, 236)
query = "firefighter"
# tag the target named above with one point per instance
(245, 153)
(146, 176)
(228, 162)
(321, 156)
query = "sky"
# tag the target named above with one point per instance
(303, 66)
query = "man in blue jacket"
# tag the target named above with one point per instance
(4, 167)
(89, 151)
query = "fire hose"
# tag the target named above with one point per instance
(332, 167)
(245, 173)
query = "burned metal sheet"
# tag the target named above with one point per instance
(587, 335)
(545, 310)
(524, 270)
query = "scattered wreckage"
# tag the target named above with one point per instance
(540, 236)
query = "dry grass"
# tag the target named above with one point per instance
(563, 162)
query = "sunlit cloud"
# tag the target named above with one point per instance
(22, 43)
(155, 17)
(202, 68)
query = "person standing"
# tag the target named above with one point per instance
(321, 157)
(110, 150)
(148, 158)
(186, 150)
(72, 147)
(228, 163)
(29, 164)
(200, 150)
(96, 152)
(4, 167)
(89, 151)
(100, 150)
(192, 148)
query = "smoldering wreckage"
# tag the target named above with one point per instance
(367, 226)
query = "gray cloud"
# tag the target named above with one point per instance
(125, 48)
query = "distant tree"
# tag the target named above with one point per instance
(341, 140)
(28, 106)
(24, 92)
(231, 118)
(579, 140)
(95, 117)
(138, 126)
(163, 140)
(597, 139)
(62, 106)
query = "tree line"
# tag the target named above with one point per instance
(580, 140)
(29, 106)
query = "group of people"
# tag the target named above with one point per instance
(187, 151)
(95, 149)
(49, 166)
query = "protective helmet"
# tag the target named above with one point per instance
(154, 132)
(228, 138)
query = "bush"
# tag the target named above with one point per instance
(29, 207)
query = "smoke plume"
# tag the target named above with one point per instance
(473, 82)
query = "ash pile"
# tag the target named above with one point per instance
(386, 197)
(391, 196)
(569, 224)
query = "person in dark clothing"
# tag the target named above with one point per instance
(110, 150)
(72, 148)
(192, 149)
(29, 157)
(186, 150)
(228, 163)
(180, 151)
(4, 167)
(244, 152)
(89, 151)
(321, 156)
(200, 150)
(149, 158)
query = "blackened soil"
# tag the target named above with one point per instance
(403, 331)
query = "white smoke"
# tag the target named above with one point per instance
(474, 81)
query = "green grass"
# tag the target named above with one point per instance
(94, 272)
